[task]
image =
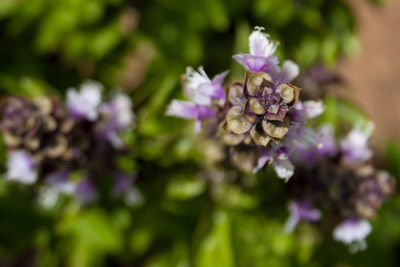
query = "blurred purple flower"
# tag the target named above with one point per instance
(327, 140)
(301, 210)
(306, 110)
(21, 168)
(352, 230)
(355, 147)
(123, 186)
(86, 191)
(278, 155)
(118, 116)
(261, 57)
(83, 104)
(59, 183)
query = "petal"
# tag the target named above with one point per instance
(194, 79)
(355, 146)
(352, 230)
(290, 70)
(256, 64)
(260, 45)
(313, 109)
(263, 160)
(182, 109)
(219, 78)
(205, 112)
(284, 168)
(21, 167)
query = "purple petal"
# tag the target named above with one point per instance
(301, 210)
(355, 145)
(255, 63)
(263, 159)
(122, 183)
(182, 109)
(327, 141)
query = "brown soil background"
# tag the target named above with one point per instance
(372, 75)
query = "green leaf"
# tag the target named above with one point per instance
(215, 249)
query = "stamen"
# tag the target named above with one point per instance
(259, 28)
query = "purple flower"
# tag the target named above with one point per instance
(261, 57)
(278, 155)
(83, 104)
(302, 143)
(118, 116)
(307, 110)
(86, 191)
(352, 230)
(286, 74)
(301, 210)
(21, 168)
(355, 145)
(327, 140)
(201, 91)
(59, 183)
(123, 186)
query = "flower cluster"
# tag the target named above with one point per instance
(338, 182)
(47, 141)
(261, 115)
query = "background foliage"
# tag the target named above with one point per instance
(143, 46)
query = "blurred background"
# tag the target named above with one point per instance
(142, 47)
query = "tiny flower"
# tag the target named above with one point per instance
(123, 186)
(86, 191)
(59, 183)
(307, 110)
(289, 71)
(355, 145)
(302, 142)
(301, 210)
(21, 168)
(278, 155)
(352, 230)
(189, 110)
(117, 116)
(201, 91)
(261, 57)
(84, 104)
(327, 140)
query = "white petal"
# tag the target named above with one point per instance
(352, 231)
(291, 70)
(284, 168)
(195, 79)
(182, 109)
(313, 109)
(20, 168)
(260, 45)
